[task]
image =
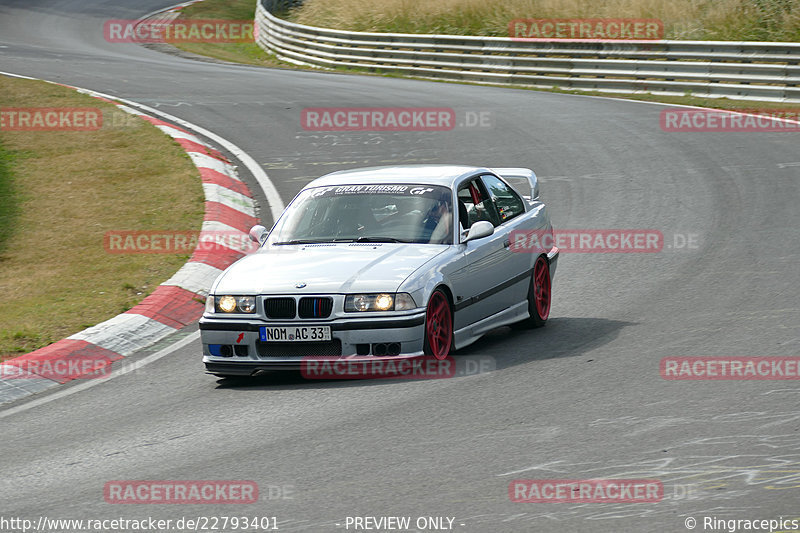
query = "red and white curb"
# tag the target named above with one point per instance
(176, 303)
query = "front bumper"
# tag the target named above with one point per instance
(361, 338)
(250, 368)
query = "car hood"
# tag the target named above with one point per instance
(326, 268)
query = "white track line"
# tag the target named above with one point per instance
(129, 367)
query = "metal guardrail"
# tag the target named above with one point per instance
(738, 70)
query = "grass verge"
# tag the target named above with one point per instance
(8, 206)
(726, 20)
(246, 53)
(61, 192)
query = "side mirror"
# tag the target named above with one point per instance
(258, 234)
(479, 230)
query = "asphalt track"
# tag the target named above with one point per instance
(581, 398)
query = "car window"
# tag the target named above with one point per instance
(506, 200)
(368, 213)
(474, 204)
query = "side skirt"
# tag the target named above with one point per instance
(469, 334)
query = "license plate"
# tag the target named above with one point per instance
(295, 333)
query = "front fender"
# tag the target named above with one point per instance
(441, 270)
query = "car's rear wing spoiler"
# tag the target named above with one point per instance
(522, 179)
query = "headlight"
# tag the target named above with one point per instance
(378, 302)
(246, 304)
(227, 304)
(384, 302)
(233, 304)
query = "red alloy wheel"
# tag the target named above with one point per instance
(541, 289)
(438, 326)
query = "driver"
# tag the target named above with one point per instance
(443, 218)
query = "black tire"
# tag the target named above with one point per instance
(539, 295)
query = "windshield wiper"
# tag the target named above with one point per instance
(378, 239)
(323, 241)
(302, 241)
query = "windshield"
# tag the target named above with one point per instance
(368, 213)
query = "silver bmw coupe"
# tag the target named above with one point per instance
(383, 263)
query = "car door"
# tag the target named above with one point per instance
(515, 268)
(482, 293)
